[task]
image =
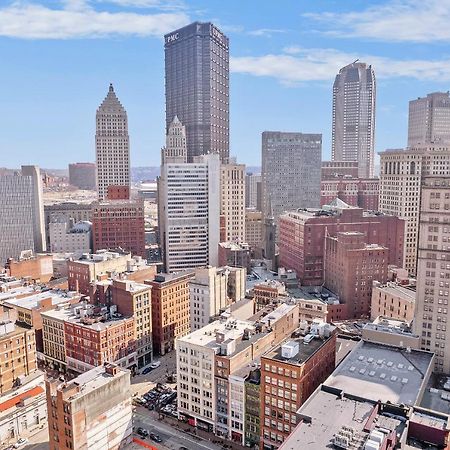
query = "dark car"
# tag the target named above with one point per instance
(183, 448)
(155, 437)
(142, 432)
(146, 371)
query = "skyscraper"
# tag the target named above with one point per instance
(291, 164)
(188, 212)
(429, 119)
(22, 213)
(433, 270)
(354, 92)
(112, 145)
(197, 87)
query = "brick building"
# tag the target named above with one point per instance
(18, 347)
(119, 224)
(360, 192)
(170, 309)
(36, 268)
(302, 237)
(351, 266)
(91, 411)
(339, 169)
(289, 375)
(89, 268)
(234, 255)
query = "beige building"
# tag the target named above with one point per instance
(70, 237)
(53, 337)
(400, 184)
(433, 271)
(92, 411)
(397, 333)
(254, 229)
(393, 300)
(232, 201)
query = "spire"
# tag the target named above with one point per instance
(111, 88)
(111, 104)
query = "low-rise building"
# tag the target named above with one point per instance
(268, 292)
(170, 309)
(68, 236)
(393, 300)
(90, 267)
(37, 268)
(234, 254)
(91, 411)
(289, 375)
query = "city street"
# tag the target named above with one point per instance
(172, 438)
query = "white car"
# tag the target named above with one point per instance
(20, 442)
(155, 364)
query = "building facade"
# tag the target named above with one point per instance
(112, 145)
(232, 200)
(70, 237)
(433, 270)
(170, 309)
(291, 164)
(302, 237)
(197, 87)
(351, 266)
(22, 218)
(119, 224)
(429, 119)
(254, 229)
(93, 410)
(189, 212)
(83, 175)
(339, 169)
(393, 300)
(401, 172)
(253, 191)
(354, 92)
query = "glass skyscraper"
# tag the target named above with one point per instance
(197, 87)
(354, 117)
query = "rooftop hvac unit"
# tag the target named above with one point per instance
(289, 349)
(371, 445)
(341, 441)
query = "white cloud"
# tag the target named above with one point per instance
(315, 64)
(77, 19)
(160, 4)
(265, 32)
(396, 20)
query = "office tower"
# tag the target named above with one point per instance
(189, 213)
(112, 145)
(433, 270)
(197, 87)
(354, 92)
(83, 175)
(429, 119)
(232, 200)
(175, 149)
(291, 164)
(253, 191)
(22, 219)
(400, 186)
(93, 410)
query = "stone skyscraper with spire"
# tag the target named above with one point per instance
(112, 145)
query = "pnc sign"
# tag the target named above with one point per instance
(173, 37)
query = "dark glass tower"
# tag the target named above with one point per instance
(197, 87)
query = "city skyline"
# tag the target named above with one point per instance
(291, 55)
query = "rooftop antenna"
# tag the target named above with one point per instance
(355, 61)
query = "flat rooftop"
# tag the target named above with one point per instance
(381, 372)
(93, 379)
(435, 396)
(32, 301)
(407, 293)
(305, 351)
(326, 413)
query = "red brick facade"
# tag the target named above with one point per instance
(360, 192)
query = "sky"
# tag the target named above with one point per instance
(57, 58)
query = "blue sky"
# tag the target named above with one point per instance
(58, 57)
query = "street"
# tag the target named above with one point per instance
(172, 438)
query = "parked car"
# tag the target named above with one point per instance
(20, 442)
(155, 437)
(155, 364)
(147, 370)
(142, 432)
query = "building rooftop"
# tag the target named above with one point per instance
(326, 414)
(305, 350)
(407, 293)
(102, 255)
(9, 329)
(381, 372)
(91, 380)
(388, 325)
(162, 278)
(436, 396)
(56, 297)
